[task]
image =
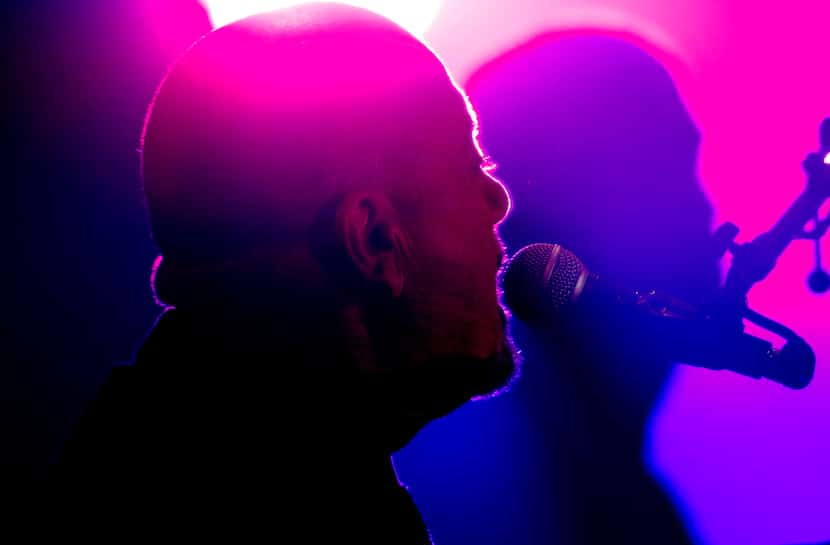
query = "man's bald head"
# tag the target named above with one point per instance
(262, 122)
(314, 171)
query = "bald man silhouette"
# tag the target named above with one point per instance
(328, 262)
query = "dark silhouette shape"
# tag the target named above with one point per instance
(599, 154)
(330, 261)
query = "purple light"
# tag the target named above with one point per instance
(746, 459)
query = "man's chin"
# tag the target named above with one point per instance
(414, 397)
(463, 378)
(496, 374)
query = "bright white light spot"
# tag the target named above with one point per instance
(413, 15)
(827, 159)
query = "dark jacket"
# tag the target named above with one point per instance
(207, 438)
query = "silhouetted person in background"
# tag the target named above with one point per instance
(328, 257)
(599, 154)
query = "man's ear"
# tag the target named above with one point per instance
(372, 238)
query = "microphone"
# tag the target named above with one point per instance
(550, 289)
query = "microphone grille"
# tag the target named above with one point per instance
(541, 279)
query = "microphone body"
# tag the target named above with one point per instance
(548, 287)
